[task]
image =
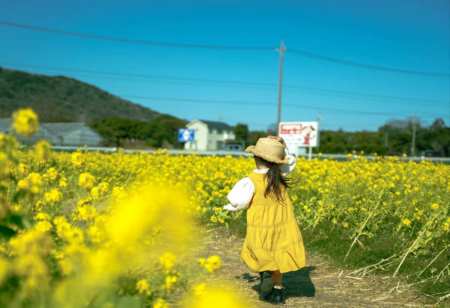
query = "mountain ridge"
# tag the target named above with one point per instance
(64, 99)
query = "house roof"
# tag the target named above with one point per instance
(219, 126)
(64, 128)
(55, 129)
(5, 124)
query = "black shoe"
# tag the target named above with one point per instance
(262, 285)
(275, 296)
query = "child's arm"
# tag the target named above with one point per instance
(290, 166)
(240, 195)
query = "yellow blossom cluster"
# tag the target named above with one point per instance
(211, 263)
(25, 122)
(80, 227)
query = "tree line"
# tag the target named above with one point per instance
(393, 138)
(156, 133)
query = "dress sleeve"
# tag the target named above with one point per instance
(289, 167)
(240, 195)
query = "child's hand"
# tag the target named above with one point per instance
(230, 207)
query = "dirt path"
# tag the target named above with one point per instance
(318, 285)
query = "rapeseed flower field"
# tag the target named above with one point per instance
(80, 228)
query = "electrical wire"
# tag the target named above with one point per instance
(175, 79)
(301, 52)
(242, 103)
(133, 41)
(383, 68)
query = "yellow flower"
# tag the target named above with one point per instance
(86, 180)
(160, 303)
(66, 266)
(167, 261)
(25, 122)
(435, 206)
(103, 187)
(406, 221)
(23, 184)
(22, 168)
(211, 264)
(199, 289)
(169, 281)
(4, 266)
(118, 193)
(43, 226)
(53, 196)
(95, 234)
(143, 287)
(62, 182)
(85, 212)
(51, 174)
(95, 193)
(2, 139)
(16, 207)
(446, 226)
(34, 182)
(42, 216)
(42, 150)
(217, 297)
(35, 178)
(77, 159)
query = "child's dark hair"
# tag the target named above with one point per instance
(274, 179)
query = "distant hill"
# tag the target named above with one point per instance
(63, 99)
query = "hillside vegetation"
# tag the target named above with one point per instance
(63, 99)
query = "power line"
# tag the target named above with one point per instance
(316, 56)
(243, 103)
(133, 41)
(329, 92)
(148, 76)
(267, 103)
(301, 52)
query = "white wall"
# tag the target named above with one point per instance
(201, 136)
(206, 139)
(215, 138)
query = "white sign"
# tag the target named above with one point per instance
(300, 134)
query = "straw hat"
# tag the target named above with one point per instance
(269, 149)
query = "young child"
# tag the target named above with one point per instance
(273, 242)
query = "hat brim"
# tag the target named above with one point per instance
(252, 149)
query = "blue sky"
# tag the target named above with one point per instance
(407, 34)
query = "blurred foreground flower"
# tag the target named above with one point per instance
(25, 122)
(223, 296)
(130, 223)
(167, 260)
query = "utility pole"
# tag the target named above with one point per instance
(281, 51)
(413, 141)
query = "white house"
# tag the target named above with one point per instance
(209, 135)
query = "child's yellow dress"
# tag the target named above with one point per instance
(273, 240)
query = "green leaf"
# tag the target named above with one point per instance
(6, 232)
